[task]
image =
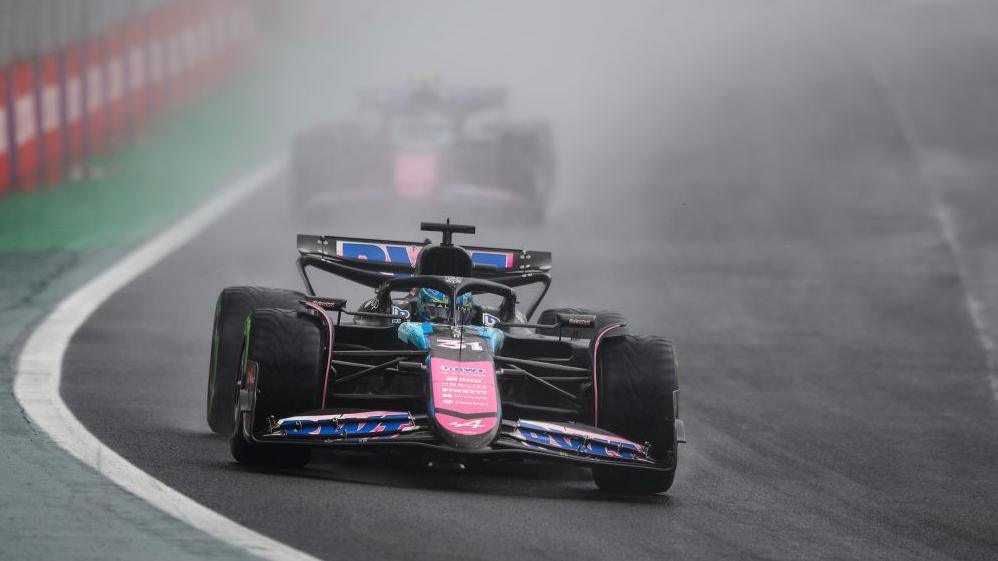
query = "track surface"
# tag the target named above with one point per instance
(775, 221)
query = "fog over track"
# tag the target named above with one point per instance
(760, 182)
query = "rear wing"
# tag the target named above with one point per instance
(370, 262)
(456, 101)
(366, 253)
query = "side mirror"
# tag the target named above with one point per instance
(577, 321)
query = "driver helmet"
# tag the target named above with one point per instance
(425, 93)
(434, 306)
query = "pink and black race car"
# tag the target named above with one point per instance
(424, 142)
(442, 364)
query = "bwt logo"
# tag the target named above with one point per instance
(465, 369)
(406, 254)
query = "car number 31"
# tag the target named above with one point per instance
(457, 344)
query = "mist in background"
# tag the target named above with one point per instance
(642, 95)
(675, 122)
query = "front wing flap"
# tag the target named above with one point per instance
(537, 439)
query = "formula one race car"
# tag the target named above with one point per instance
(440, 363)
(429, 143)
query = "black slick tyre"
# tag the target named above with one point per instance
(231, 309)
(638, 399)
(287, 351)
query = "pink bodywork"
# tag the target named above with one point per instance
(467, 388)
(329, 353)
(362, 415)
(416, 174)
(599, 338)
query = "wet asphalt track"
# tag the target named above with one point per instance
(778, 228)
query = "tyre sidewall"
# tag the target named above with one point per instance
(232, 307)
(288, 349)
(637, 398)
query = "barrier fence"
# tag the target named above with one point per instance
(109, 73)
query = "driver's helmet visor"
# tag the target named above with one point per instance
(434, 306)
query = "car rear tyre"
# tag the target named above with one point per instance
(637, 398)
(288, 352)
(231, 309)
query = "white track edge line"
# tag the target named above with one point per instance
(39, 373)
(948, 225)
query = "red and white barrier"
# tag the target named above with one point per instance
(49, 96)
(94, 87)
(158, 60)
(5, 172)
(25, 121)
(65, 105)
(136, 55)
(72, 100)
(116, 102)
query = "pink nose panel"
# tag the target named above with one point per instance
(416, 174)
(465, 401)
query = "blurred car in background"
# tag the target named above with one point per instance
(448, 147)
